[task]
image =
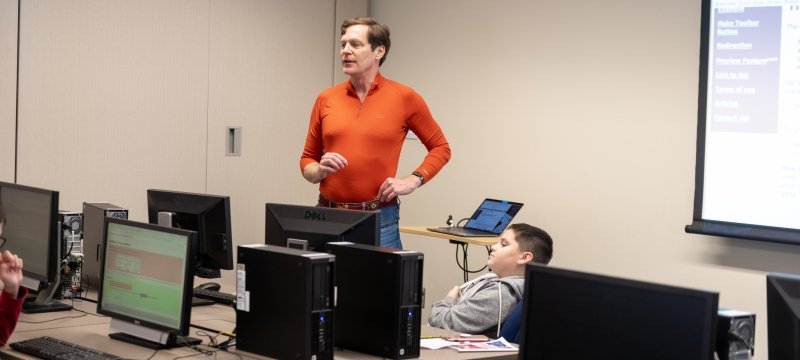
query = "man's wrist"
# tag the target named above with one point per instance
(421, 178)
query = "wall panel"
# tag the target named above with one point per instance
(8, 87)
(268, 61)
(113, 99)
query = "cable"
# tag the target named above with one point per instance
(153, 354)
(88, 313)
(228, 343)
(463, 264)
(71, 245)
(61, 318)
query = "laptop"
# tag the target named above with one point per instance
(489, 220)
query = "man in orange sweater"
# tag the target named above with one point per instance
(357, 130)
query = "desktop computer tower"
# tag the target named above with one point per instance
(736, 331)
(93, 217)
(284, 302)
(71, 232)
(379, 300)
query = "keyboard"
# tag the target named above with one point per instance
(216, 296)
(49, 348)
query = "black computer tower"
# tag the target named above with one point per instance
(736, 331)
(284, 302)
(71, 233)
(93, 218)
(379, 304)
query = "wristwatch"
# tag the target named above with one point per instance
(421, 178)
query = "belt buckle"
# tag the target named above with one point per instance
(341, 206)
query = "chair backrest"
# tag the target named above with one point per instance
(510, 328)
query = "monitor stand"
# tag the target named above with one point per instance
(43, 302)
(173, 342)
(148, 337)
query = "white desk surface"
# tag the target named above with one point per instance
(90, 330)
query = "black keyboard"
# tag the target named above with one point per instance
(216, 296)
(49, 348)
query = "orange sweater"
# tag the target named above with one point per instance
(370, 136)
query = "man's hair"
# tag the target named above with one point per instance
(2, 215)
(377, 35)
(537, 241)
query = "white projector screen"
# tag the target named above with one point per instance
(747, 181)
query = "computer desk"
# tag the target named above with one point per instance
(88, 329)
(422, 230)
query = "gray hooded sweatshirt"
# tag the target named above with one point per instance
(481, 307)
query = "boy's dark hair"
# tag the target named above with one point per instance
(533, 239)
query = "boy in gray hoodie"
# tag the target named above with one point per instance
(481, 305)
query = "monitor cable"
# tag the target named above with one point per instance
(464, 263)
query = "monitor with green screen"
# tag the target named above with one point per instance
(146, 284)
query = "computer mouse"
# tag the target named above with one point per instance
(209, 286)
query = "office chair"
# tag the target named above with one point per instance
(510, 328)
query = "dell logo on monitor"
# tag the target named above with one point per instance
(314, 215)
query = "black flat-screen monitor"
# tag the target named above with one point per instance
(209, 215)
(311, 227)
(146, 284)
(32, 231)
(783, 316)
(577, 315)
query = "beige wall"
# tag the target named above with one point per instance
(8, 87)
(118, 97)
(264, 80)
(584, 111)
(113, 99)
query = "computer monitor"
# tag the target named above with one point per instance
(783, 316)
(209, 215)
(311, 227)
(32, 231)
(578, 315)
(146, 285)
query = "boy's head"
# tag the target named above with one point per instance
(519, 244)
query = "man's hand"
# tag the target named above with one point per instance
(329, 163)
(392, 187)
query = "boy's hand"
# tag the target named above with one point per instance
(10, 272)
(453, 293)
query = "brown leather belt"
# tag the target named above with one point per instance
(367, 205)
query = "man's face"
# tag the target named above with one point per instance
(357, 54)
(506, 255)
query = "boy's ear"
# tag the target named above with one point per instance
(525, 257)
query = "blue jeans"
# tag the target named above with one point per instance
(390, 227)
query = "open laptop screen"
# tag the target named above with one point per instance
(493, 215)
